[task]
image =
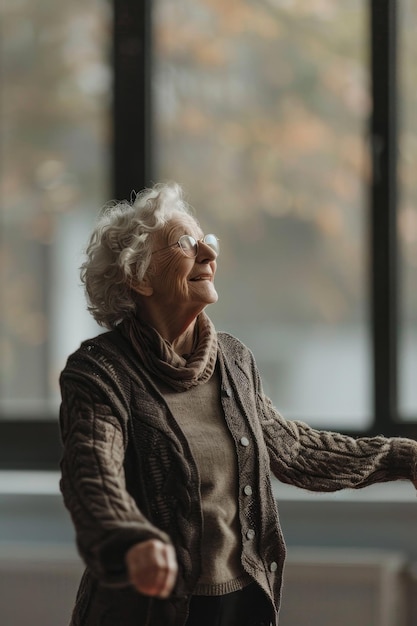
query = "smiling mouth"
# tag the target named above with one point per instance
(202, 277)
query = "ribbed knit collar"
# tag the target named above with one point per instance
(179, 372)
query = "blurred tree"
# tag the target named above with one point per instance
(261, 115)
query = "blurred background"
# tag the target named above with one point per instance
(291, 125)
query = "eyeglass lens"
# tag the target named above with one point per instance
(189, 245)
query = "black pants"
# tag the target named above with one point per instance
(247, 607)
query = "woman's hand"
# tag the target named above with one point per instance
(152, 568)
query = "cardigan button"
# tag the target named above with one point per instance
(244, 441)
(273, 566)
(247, 490)
(250, 534)
(228, 392)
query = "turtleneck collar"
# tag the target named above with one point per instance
(161, 360)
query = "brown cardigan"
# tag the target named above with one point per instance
(128, 475)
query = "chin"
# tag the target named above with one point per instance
(212, 299)
(208, 302)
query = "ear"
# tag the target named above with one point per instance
(144, 287)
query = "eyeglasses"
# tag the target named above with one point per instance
(189, 245)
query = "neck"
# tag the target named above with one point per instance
(179, 332)
(185, 342)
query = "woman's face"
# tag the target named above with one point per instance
(180, 282)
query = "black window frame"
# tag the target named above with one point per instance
(34, 444)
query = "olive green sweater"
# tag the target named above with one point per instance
(128, 474)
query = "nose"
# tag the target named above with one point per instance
(205, 253)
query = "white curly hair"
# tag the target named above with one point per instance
(119, 249)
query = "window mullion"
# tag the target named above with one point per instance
(132, 106)
(384, 246)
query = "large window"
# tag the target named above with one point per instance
(281, 119)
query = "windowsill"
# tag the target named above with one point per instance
(42, 483)
(32, 511)
(47, 483)
(398, 491)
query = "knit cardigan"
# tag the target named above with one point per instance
(128, 475)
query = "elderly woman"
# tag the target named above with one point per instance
(169, 440)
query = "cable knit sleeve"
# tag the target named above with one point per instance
(327, 461)
(93, 422)
(312, 459)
